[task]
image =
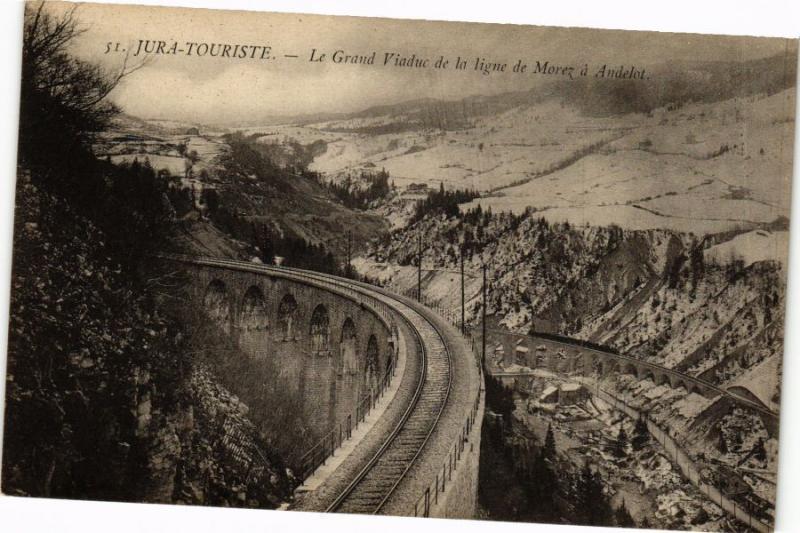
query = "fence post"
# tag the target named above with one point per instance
(449, 466)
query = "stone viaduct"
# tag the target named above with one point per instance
(331, 341)
(327, 347)
(572, 356)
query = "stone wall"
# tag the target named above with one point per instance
(327, 347)
(460, 498)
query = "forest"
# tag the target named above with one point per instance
(523, 479)
(442, 201)
(351, 192)
(103, 401)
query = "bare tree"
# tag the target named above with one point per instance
(59, 90)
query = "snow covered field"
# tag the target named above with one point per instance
(752, 247)
(702, 169)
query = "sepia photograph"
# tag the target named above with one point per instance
(414, 268)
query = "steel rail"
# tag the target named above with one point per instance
(419, 436)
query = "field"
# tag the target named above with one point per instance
(701, 168)
(496, 151)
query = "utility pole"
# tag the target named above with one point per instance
(419, 266)
(463, 312)
(348, 267)
(483, 334)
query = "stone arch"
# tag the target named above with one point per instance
(539, 358)
(586, 365)
(371, 364)
(630, 368)
(217, 303)
(613, 367)
(391, 347)
(253, 315)
(695, 388)
(648, 374)
(663, 379)
(681, 384)
(597, 367)
(319, 329)
(348, 359)
(579, 365)
(287, 317)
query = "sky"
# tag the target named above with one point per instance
(216, 90)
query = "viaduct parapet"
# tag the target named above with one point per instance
(336, 343)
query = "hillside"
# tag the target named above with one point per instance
(102, 403)
(654, 294)
(658, 295)
(704, 167)
(700, 151)
(237, 190)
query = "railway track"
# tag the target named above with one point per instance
(566, 342)
(369, 491)
(375, 483)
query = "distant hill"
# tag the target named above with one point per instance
(678, 83)
(672, 83)
(127, 122)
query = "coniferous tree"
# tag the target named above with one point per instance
(722, 446)
(759, 451)
(641, 436)
(549, 449)
(268, 251)
(499, 398)
(591, 505)
(621, 444)
(543, 487)
(447, 202)
(623, 516)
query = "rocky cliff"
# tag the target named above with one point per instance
(659, 295)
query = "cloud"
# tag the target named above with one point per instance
(227, 90)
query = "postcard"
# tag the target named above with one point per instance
(399, 267)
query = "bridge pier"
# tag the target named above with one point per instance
(326, 347)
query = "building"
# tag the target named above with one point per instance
(521, 354)
(572, 394)
(564, 394)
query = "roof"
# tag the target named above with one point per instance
(523, 349)
(548, 391)
(517, 368)
(571, 387)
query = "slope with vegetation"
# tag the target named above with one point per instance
(653, 294)
(103, 398)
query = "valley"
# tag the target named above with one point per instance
(659, 233)
(553, 292)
